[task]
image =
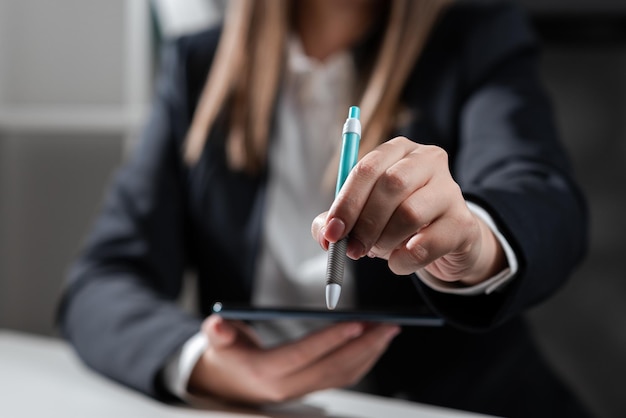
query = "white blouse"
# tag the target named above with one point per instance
(312, 106)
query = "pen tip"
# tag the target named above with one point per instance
(333, 291)
(354, 112)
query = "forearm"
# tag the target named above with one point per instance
(124, 330)
(545, 220)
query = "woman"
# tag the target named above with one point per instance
(462, 200)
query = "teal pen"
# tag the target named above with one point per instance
(337, 251)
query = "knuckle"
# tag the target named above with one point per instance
(398, 139)
(433, 153)
(438, 153)
(408, 217)
(394, 180)
(367, 168)
(364, 228)
(407, 261)
(419, 254)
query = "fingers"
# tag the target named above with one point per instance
(363, 360)
(393, 186)
(476, 258)
(219, 332)
(356, 190)
(345, 366)
(222, 333)
(336, 356)
(439, 239)
(401, 203)
(391, 194)
(318, 228)
(416, 212)
(299, 354)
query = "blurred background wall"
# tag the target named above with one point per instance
(75, 80)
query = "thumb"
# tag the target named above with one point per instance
(219, 332)
(318, 229)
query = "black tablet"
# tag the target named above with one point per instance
(415, 317)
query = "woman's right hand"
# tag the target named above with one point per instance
(235, 367)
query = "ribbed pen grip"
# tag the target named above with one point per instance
(336, 261)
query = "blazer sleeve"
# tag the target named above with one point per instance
(510, 162)
(118, 308)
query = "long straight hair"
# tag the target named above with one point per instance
(249, 60)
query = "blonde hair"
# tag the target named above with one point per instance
(247, 66)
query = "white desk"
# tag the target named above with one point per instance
(42, 377)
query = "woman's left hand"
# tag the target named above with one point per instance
(400, 203)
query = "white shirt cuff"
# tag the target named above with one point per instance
(179, 367)
(486, 286)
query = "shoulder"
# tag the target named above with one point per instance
(483, 33)
(192, 55)
(184, 65)
(471, 43)
(199, 47)
(480, 18)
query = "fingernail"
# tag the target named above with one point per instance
(334, 230)
(356, 249)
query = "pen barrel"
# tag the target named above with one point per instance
(351, 136)
(349, 157)
(336, 261)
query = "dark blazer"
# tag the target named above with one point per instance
(475, 92)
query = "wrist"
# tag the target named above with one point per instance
(196, 384)
(490, 257)
(179, 367)
(433, 277)
(478, 261)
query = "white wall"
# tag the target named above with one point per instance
(3, 43)
(50, 187)
(74, 81)
(63, 52)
